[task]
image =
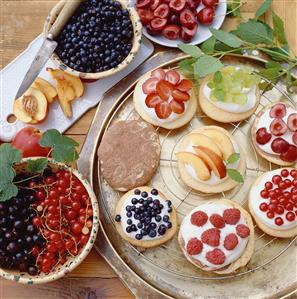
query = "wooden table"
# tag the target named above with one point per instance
(20, 22)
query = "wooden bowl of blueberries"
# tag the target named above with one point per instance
(100, 39)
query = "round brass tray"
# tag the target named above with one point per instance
(164, 271)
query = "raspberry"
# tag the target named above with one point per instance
(211, 237)
(231, 216)
(199, 218)
(194, 246)
(242, 230)
(216, 257)
(230, 241)
(217, 220)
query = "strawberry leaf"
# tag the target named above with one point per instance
(235, 175)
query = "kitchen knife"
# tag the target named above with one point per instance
(49, 45)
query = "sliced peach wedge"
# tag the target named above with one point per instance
(46, 88)
(214, 161)
(66, 94)
(201, 169)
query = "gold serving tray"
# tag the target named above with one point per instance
(163, 271)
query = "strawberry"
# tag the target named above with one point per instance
(278, 127)
(159, 74)
(184, 85)
(230, 241)
(180, 96)
(194, 246)
(164, 89)
(242, 230)
(150, 85)
(216, 256)
(278, 111)
(217, 220)
(199, 218)
(163, 110)
(177, 107)
(292, 122)
(231, 216)
(172, 77)
(152, 100)
(211, 237)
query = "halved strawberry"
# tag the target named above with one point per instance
(152, 100)
(158, 73)
(163, 110)
(142, 3)
(294, 137)
(154, 4)
(177, 107)
(278, 127)
(172, 77)
(180, 96)
(184, 85)
(145, 15)
(278, 111)
(177, 5)
(164, 89)
(162, 11)
(158, 24)
(149, 85)
(292, 122)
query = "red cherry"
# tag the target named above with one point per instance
(276, 179)
(268, 185)
(262, 136)
(289, 206)
(292, 122)
(288, 183)
(279, 210)
(290, 216)
(294, 138)
(295, 182)
(187, 18)
(142, 3)
(278, 192)
(187, 34)
(290, 155)
(284, 173)
(294, 198)
(270, 215)
(40, 194)
(274, 201)
(171, 31)
(158, 24)
(278, 127)
(50, 180)
(272, 194)
(162, 11)
(264, 193)
(279, 221)
(206, 15)
(282, 185)
(76, 228)
(272, 207)
(278, 111)
(282, 200)
(294, 191)
(177, 5)
(210, 3)
(37, 221)
(279, 145)
(263, 207)
(293, 173)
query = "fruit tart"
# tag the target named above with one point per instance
(274, 134)
(230, 95)
(273, 202)
(217, 236)
(165, 98)
(204, 157)
(145, 218)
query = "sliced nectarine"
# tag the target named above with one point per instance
(65, 94)
(198, 164)
(46, 88)
(214, 161)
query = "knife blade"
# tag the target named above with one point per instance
(45, 52)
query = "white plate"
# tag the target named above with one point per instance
(202, 33)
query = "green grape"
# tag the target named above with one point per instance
(240, 99)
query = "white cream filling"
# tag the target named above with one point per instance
(189, 231)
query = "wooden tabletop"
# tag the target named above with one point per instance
(20, 22)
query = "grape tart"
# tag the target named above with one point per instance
(165, 98)
(217, 236)
(273, 202)
(145, 218)
(274, 134)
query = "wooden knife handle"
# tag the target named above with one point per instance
(65, 14)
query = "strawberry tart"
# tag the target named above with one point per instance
(217, 236)
(207, 156)
(274, 134)
(165, 98)
(273, 202)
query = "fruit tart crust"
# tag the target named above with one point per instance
(177, 123)
(269, 157)
(146, 243)
(218, 114)
(240, 262)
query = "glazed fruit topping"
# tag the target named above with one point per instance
(194, 246)
(230, 241)
(163, 110)
(152, 100)
(292, 122)
(211, 237)
(177, 107)
(231, 216)
(149, 86)
(216, 256)
(242, 230)
(278, 111)
(262, 136)
(199, 218)
(278, 127)
(217, 220)
(280, 145)
(290, 155)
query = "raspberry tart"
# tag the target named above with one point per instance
(145, 218)
(217, 236)
(202, 159)
(165, 98)
(273, 202)
(230, 95)
(274, 134)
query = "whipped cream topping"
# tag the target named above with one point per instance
(189, 231)
(256, 200)
(265, 121)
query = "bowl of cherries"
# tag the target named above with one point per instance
(171, 22)
(99, 40)
(49, 216)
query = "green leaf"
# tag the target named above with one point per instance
(191, 50)
(273, 65)
(233, 8)
(7, 188)
(208, 46)
(270, 74)
(276, 53)
(206, 65)
(9, 155)
(186, 66)
(255, 32)
(62, 153)
(263, 8)
(8, 192)
(279, 30)
(37, 165)
(233, 158)
(227, 38)
(235, 175)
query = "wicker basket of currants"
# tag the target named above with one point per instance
(49, 214)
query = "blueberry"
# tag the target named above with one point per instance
(129, 221)
(169, 203)
(161, 206)
(149, 200)
(137, 191)
(162, 229)
(156, 201)
(169, 210)
(153, 225)
(138, 236)
(129, 214)
(32, 270)
(166, 218)
(169, 224)
(128, 208)
(144, 194)
(136, 216)
(118, 218)
(152, 233)
(144, 232)
(139, 225)
(133, 227)
(128, 229)
(158, 218)
(141, 200)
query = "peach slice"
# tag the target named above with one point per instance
(198, 164)
(201, 139)
(31, 107)
(222, 141)
(214, 161)
(66, 94)
(46, 88)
